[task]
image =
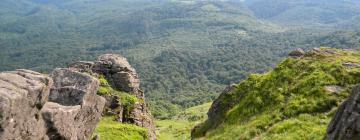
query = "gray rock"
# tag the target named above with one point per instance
(73, 88)
(22, 94)
(60, 121)
(350, 65)
(123, 77)
(82, 66)
(333, 89)
(34, 106)
(118, 72)
(345, 125)
(140, 116)
(297, 53)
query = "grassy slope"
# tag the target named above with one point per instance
(108, 129)
(179, 127)
(289, 102)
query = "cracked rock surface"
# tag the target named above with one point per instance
(35, 106)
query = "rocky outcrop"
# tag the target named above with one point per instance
(23, 94)
(65, 104)
(75, 96)
(345, 125)
(119, 73)
(297, 53)
(35, 106)
(122, 77)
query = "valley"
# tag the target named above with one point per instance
(186, 52)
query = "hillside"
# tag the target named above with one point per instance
(185, 51)
(296, 99)
(179, 127)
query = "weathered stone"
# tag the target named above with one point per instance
(297, 53)
(345, 125)
(123, 77)
(118, 72)
(139, 115)
(36, 107)
(351, 65)
(317, 50)
(73, 88)
(333, 89)
(82, 66)
(22, 94)
(60, 121)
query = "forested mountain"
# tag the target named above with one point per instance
(309, 13)
(185, 51)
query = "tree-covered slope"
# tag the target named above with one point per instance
(308, 13)
(295, 100)
(185, 51)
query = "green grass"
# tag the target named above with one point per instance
(179, 127)
(104, 87)
(108, 129)
(127, 101)
(289, 102)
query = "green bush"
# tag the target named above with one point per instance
(127, 101)
(104, 87)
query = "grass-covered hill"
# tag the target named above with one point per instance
(185, 51)
(295, 100)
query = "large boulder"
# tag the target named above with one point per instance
(75, 96)
(119, 73)
(34, 106)
(122, 77)
(345, 125)
(23, 94)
